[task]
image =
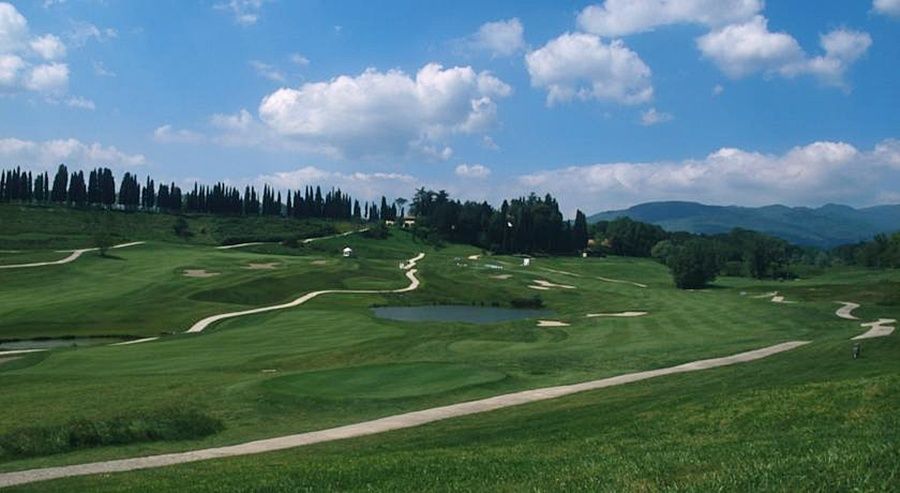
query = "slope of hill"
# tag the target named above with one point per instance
(826, 226)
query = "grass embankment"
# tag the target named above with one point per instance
(809, 420)
(313, 367)
(169, 424)
(27, 227)
(143, 290)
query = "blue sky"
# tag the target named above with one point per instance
(605, 104)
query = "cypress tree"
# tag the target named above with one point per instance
(60, 184)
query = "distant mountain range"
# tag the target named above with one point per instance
(827, 226)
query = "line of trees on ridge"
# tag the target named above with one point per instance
(98, 189)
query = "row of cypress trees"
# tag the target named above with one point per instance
(99, 190)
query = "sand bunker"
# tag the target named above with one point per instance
(502, 277)
(621, 314)
(268, 266)
(777, 298)
(561, 272)
(198, 273)
(473, 257)
(765, 295)
(881, 328)
(548, 284)
(540, 288)
(551, 323)
(846, 311)
(619, 281)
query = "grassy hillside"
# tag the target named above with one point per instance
(827, 226)
(26, 227)
(813, 413)
(810, 420)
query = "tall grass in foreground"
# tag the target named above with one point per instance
(169, 424)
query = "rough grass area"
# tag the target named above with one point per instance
(65, 227)
(813, 414)
(169, 424)
(382, 381)
(807, 421)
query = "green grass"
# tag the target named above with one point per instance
(810, 420)
(336, 364)
(382, 381)
(65, 227)
(165, 424)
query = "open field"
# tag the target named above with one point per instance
(329, 362)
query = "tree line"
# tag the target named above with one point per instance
(527, 225)
(883, 251)
(98, 189)
(696, 260)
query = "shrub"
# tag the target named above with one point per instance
(169, 424)
(532, 302)
(694, 265)
(377, 231)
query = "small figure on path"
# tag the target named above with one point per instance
(857, 347)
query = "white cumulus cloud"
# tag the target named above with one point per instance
(623, 17)
(582, 66)
(13, 28)
(167, 134)
(361, 185)
(654, 117)
(812, 174)
(50, 78)
(245, 12)
(500, 38)
(299, 59)
(81, 103)
(30, 63)
(743, 49)
(10, 65)
(267, 71)
(49, 47)
(740, 50)
(385, 113)
(472, 171)
(887, 7)
(48, 153)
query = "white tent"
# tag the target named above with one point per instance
(347, 251)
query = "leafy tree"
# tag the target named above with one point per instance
(182, 228)
(632, 238)
(694, 265)
(663, 250)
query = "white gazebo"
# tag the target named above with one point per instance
(347, 251)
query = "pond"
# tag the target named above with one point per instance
(456, 313)
(56, 343)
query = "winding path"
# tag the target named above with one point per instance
(306, 241)
(410, 274)
(390, 423)
(71, 258)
